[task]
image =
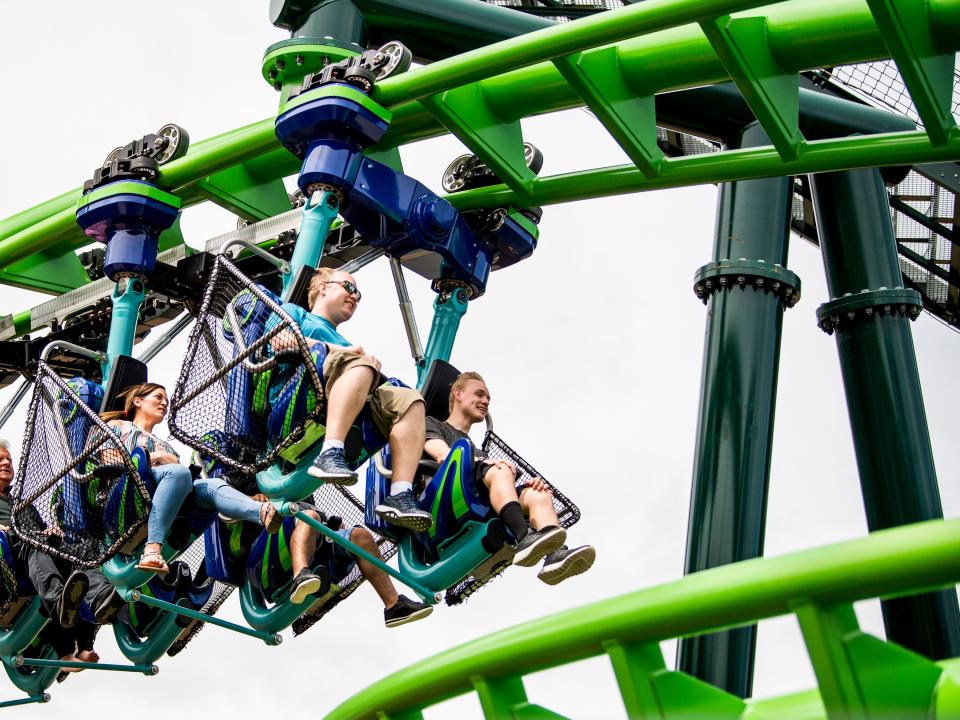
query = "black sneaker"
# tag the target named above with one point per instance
(308, 583)
(331, 466)
(537, 544)
(405, 611)
(68, 604)
(564, 563)
(402, 510)
(106, 607)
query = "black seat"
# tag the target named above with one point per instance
(436, 389)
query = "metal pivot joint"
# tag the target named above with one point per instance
(859, 307)
(759, 274)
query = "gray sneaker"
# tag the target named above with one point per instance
(331, 466)
(537, 544)
(564, 563)
(402, 510)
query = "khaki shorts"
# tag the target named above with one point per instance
(388, 403)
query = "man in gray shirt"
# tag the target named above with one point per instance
(542, 537)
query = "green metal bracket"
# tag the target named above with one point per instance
(53, 271)
(138, 596)
(633, 666)
(171, 237)
(629, 118)
(859, 675)
(771, 92)
(499, 143)
(926, 69)
(45, 697)
(243, 194)
(682, 695)
(506, 698)
(287, 62)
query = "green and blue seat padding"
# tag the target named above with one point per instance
(177, 586)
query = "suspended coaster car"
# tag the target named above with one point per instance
(250, 401)
(467, 545)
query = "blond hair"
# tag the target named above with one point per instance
(321, 276)
(460, 383)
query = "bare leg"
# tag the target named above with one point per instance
(303, 543)
(406, 443)
(378, 578)
(501, 482)
(538, 506)
(345, 400)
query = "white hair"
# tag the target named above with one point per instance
(4, 445)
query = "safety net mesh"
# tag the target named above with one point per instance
(193, 556)
(567, 513)
(78, 494)
(245, 356)
(337, 501)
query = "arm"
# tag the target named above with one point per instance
(436, 449)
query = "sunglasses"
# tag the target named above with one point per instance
(346, 285)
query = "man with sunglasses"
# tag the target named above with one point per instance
(351, 380)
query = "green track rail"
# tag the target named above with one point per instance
(615, 63)
(858, 675)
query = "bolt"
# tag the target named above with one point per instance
(272, 73)
(298, 59)
(280, 65)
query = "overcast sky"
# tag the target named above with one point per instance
(592, 349)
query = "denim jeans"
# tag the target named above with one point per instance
(174, 483)
(231, 503)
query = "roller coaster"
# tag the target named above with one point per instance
(832, 120)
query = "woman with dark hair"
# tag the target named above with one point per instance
(144, 407)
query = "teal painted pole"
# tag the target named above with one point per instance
(127, 299)
(318, 214)
(447, 313)
(882, 385)
(21, 661)
(26, 701)
(738, 394)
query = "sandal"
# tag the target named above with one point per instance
(153, 562)
(270, 518)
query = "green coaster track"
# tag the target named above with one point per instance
(648, 65)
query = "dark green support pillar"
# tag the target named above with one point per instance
(746, 289)
(870, 314)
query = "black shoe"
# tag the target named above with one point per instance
(68, 604)
(402, 510)
(405, 611)
(308, 583)
(106, 607)
(331, 466)
(564, 563)
(537, 544)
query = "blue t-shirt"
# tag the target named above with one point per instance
(312, 326)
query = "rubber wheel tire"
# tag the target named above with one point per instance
(400, 59)
(533, 157)
(178, 142)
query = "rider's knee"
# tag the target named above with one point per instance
(363, 538)
(536, 498)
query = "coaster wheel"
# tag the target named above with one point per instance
(177, 142)
(398, 59)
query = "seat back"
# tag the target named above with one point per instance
(221, 403)
(71, 464)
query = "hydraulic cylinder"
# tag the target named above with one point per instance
(746, 289)
(870, 314)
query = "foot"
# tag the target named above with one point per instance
(308, 583)
(67, 671)
(106, 607)
(152, 561)
(536, 544)
(564, 563)
(404, 611)
(270, 518)
(68, 605)
(402, 510)
(89, 656)
(331, 466)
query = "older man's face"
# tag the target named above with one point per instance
(6, 470)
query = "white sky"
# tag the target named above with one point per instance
(592, 349)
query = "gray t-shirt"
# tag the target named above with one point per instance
(5, 507)
(440, 430)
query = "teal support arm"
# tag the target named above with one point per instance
(161, 634)
(26, 626)
(127, 299)
(56, 664)
(447, 313)
(34, 681)
(42, 698)
(319, 212)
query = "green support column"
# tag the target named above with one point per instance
(746, 288)
(870, 313)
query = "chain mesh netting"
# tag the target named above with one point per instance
(78, 494)
(336, 501)
(244, 352)
(193, 556)
(567, 513)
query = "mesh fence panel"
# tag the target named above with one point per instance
(567, 513)
(242, 343)
(78, 495)
(337, 501)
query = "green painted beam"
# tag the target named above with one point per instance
(891, 562)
